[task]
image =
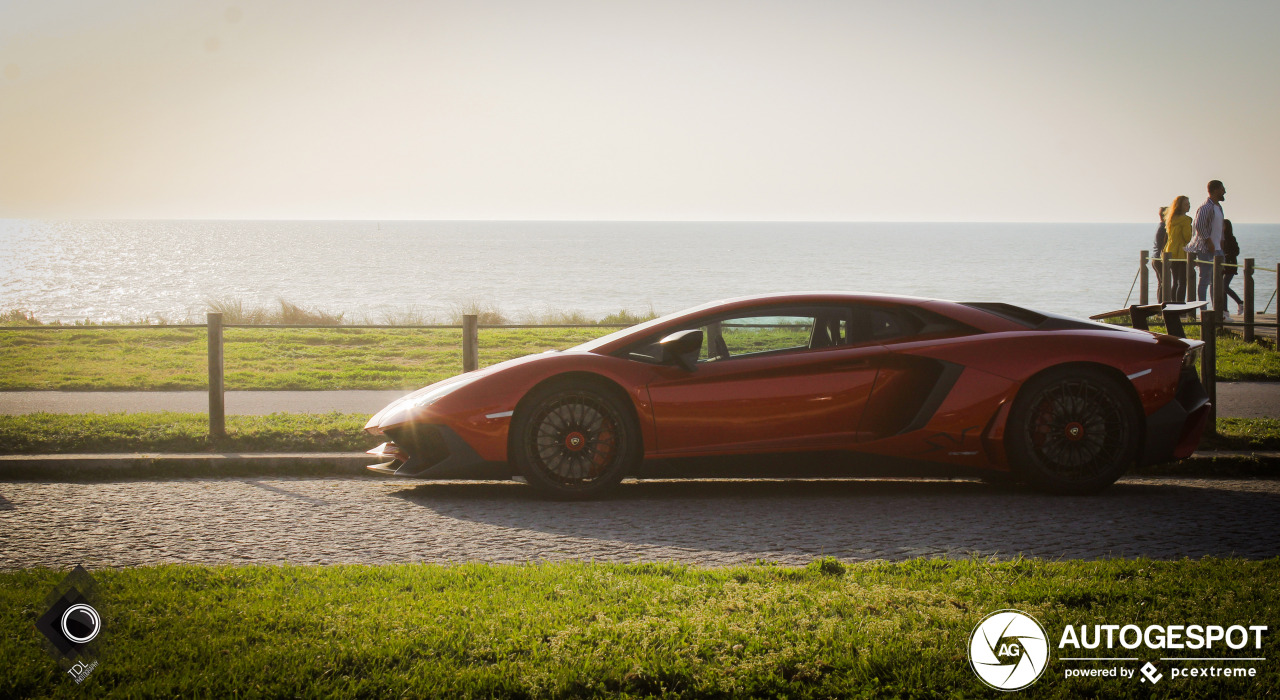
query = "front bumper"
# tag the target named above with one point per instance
(432, 452)
(1173, 431)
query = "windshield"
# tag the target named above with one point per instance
(640, 328)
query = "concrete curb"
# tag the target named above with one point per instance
(73, 467)
(106, 467)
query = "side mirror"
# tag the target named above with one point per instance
(681, 349)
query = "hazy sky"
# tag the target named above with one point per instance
(797, 110)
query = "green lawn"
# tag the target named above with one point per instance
(165, 431)
(328, 358)
(102, 358)
(50, 433)
(1239, 361)
(603, 630)
(55, 433)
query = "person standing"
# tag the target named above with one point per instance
(1231, 255)
(1156, 249)
(1178, 228)
(1206, 244)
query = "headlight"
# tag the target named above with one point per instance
(435, 395)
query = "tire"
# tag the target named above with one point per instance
(574, 440)
(1073, 431)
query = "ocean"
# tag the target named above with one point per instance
(133, 270)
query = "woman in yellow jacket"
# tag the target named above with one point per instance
(1178, 226)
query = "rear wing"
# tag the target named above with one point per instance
(1172, 314)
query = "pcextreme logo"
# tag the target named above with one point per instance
(1008, 650)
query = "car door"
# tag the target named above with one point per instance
(769, 379)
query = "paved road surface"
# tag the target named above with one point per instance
(1249, 399)
(329, 521)
(1235, 399)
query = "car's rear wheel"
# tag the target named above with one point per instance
(1073, 431)
(574, 439)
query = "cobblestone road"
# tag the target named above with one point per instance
(328, 521)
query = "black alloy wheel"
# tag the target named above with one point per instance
(574, 440)
(1073, 431)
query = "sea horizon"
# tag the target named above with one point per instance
(121, 270)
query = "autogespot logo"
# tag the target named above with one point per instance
(1008, 650)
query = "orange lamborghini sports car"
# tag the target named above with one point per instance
(820, 384)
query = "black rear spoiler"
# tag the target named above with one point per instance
(1172, 314)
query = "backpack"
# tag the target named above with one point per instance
(1230, 246)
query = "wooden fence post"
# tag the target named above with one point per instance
(1209, 364)
(1166, 279)
(1143, 279)
(470, 343)
(217, 407)
(1192, 287)
(1248, 300)
(1216, 291)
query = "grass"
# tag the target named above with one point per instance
(58, 433)
(101, 358)
(167, 431)
(1244, 434)
(594, 630)
(54, 433)
(1238, 361)
(92, 357)
(234, 311)
(283, 358)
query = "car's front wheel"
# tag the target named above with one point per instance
(1073, 431)
(574, 440)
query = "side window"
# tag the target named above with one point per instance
(762, 331)
(880, 324)
(891, 323)
(756, 334)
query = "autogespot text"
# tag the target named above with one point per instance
(1161, 637)
(1175, 640)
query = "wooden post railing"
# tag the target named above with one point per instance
(1248, 300)
(1143, 278)
(217, 407)
(470, 343)
(1191, 278)
(1216, 291)
(1166, 279)
(1209, 363)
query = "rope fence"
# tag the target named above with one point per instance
(1216, 271)
(470, 328)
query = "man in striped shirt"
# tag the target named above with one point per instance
(1207, 242)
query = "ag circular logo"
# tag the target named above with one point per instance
(80, 623)
(1008, 650)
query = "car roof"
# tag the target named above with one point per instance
(616, 341)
